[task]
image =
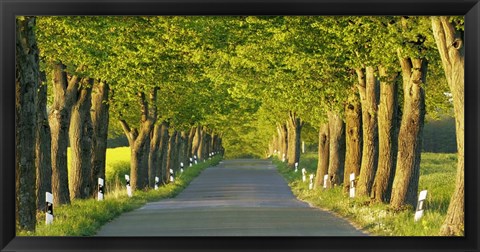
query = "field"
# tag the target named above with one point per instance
(437, 175)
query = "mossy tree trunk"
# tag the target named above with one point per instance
(26, 85)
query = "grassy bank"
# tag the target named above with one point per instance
(437, 175)
(85, 217)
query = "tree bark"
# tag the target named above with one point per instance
(294, 126)
(43, 161)
(283, 141)
(323, 154)
(368, 99)
(154, 155)
(80, 135)
(405, 183)
(183, 157)
(100, 119)
(336, 149)
(171, 155)
(27, 83)
(163, 150)
(65, 94)
(387, 135)
(139, 140)
(452, 53)
(191, 135)
(197, 139)
(353, 139)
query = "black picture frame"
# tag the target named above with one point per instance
(11, 8)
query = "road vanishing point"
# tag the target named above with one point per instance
(242, 197)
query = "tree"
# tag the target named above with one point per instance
(27, 83)
(448, 33)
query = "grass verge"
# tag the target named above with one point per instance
(85, 217)
(437, 175)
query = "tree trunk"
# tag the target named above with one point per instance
(139, 141)
(294, 125)
(27, 83)
(353, 130)
(283, 141)
(197, 139)
(80, 135)
(387, 136)
(43, 159)
(171, 154)
(405, 184)
(154, 155)
(452, 53)
(163, 150)
(65, 93)
(191, 135)
(184, 148)
(100, 120)
(368, 99)
(323, 154)
(336, 149)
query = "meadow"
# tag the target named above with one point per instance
(437, 175)
(85, 217)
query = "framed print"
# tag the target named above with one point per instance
(226, 125)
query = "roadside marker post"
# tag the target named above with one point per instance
(310, 186)
(352, 185)
(296, 166)
(100, 189)
(181, 167)
(157, 179)
(191, 162)
(421, 203)
(129, 188)
(325, 180)
(304, 174)
(195, 158)
(283, 158)
(172, 178)
(49, 208)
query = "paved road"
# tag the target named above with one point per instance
(240, 197)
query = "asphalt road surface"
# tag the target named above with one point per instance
(243, 197)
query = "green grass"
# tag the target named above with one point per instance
(437, 175)
(85, 217)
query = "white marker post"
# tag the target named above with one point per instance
(129, 188)
(296, 166)
(310, 186)
(421, 199)
(157, 180)
(49, 208)
(304, 174)
(172, 179)
(325, 180)
(100, 189)
(181, 167)
(195, 157)
(283, 157)
(209, 156)
(352, 185)
(303, 146)
(191, 162)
